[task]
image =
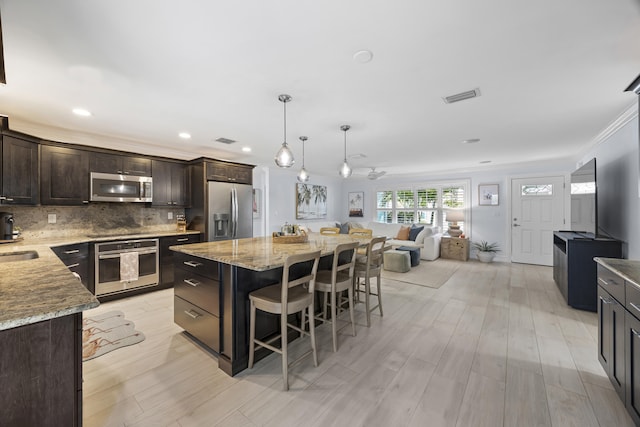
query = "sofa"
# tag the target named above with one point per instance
(428, 240)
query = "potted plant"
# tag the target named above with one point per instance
(486, 251)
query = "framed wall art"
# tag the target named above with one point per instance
(488, 194)
(356, 204)
(311, 201)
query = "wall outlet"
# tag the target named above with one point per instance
(52, 218)
(170, 215)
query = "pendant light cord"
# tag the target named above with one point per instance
(285, 122)
(345, 146)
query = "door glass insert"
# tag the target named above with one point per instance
(537, 190)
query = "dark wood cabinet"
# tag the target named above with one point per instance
(18, 171)
(197, 298)
(170, 183)
(229, 172)
(76, 258)
(619, 330)
(574, 270)
(41, 371)
(119, 164)
(167, 268)
(64, 176)
(611, 318)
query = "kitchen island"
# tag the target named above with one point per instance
(41, 305)
(230, 270)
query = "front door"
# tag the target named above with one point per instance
(537, 210)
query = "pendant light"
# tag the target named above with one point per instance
(303, 176)
(284, 157)
(345, 170)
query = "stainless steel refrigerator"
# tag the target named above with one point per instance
(229, 211)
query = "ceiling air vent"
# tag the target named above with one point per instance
(225, 140)
(462, 96)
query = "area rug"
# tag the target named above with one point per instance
(431, 274)
(106, 332)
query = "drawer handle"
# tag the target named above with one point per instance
(74, 251)
(605, 283)
(191, 282)
(635, 332)
(73, 265)
(606, 300)
(192, 264)
(634, 306)
(192, 314)
(182, 240)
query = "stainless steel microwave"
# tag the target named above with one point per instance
(107, 187)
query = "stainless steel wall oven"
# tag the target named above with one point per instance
(108, 266)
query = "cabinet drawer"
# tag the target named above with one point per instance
(183, 239)
(199, 290)
(611, 283)
(197, 322)
(632, 299)
(72, 251)
(203, 267)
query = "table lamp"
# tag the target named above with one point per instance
(453, 216)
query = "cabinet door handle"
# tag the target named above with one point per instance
(606, 300)
(192, 264)
(184, 239)
(192, 314)
(191, 282)
(634, 306)
(73, 251)
(635, 333)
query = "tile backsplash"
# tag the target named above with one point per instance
(95, 218)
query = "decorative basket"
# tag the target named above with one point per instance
(298, 238)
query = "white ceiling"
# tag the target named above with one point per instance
(551, 74)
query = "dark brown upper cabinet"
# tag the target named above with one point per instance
(119, 164)
(229, 172)
(18, 171)
(64, 176)
(170, 183)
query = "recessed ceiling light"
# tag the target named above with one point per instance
(471, 141)
(246, 149)
(81, 112)
(363, 56)
(184, 135)
(485, 161)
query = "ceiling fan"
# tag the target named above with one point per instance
(375, 175)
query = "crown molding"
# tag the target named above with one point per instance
(627, 115)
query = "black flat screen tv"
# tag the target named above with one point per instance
(584, 199)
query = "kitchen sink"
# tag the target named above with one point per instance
(18, 256)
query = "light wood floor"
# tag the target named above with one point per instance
(494, 346)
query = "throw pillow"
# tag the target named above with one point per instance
(344, 228)
(403, 234)
(414, 231)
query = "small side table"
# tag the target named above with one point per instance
(455, 248)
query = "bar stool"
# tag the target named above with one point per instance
(329, 230)
(367, 267)
(287, 297)
(361, 232)
(333, 282)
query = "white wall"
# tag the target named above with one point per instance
(617, 179)
(280, 185)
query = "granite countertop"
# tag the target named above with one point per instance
(628, 269)
(261, 253)
(43, 288)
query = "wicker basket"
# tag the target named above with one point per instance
(299, 238)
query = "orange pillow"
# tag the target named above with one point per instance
(403, 234)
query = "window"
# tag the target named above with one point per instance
(537, 190)
(424, 204)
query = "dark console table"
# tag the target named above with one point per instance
(574, 269)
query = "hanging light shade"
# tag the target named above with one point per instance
(284, 157)
(345, 170)
(303, 175)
